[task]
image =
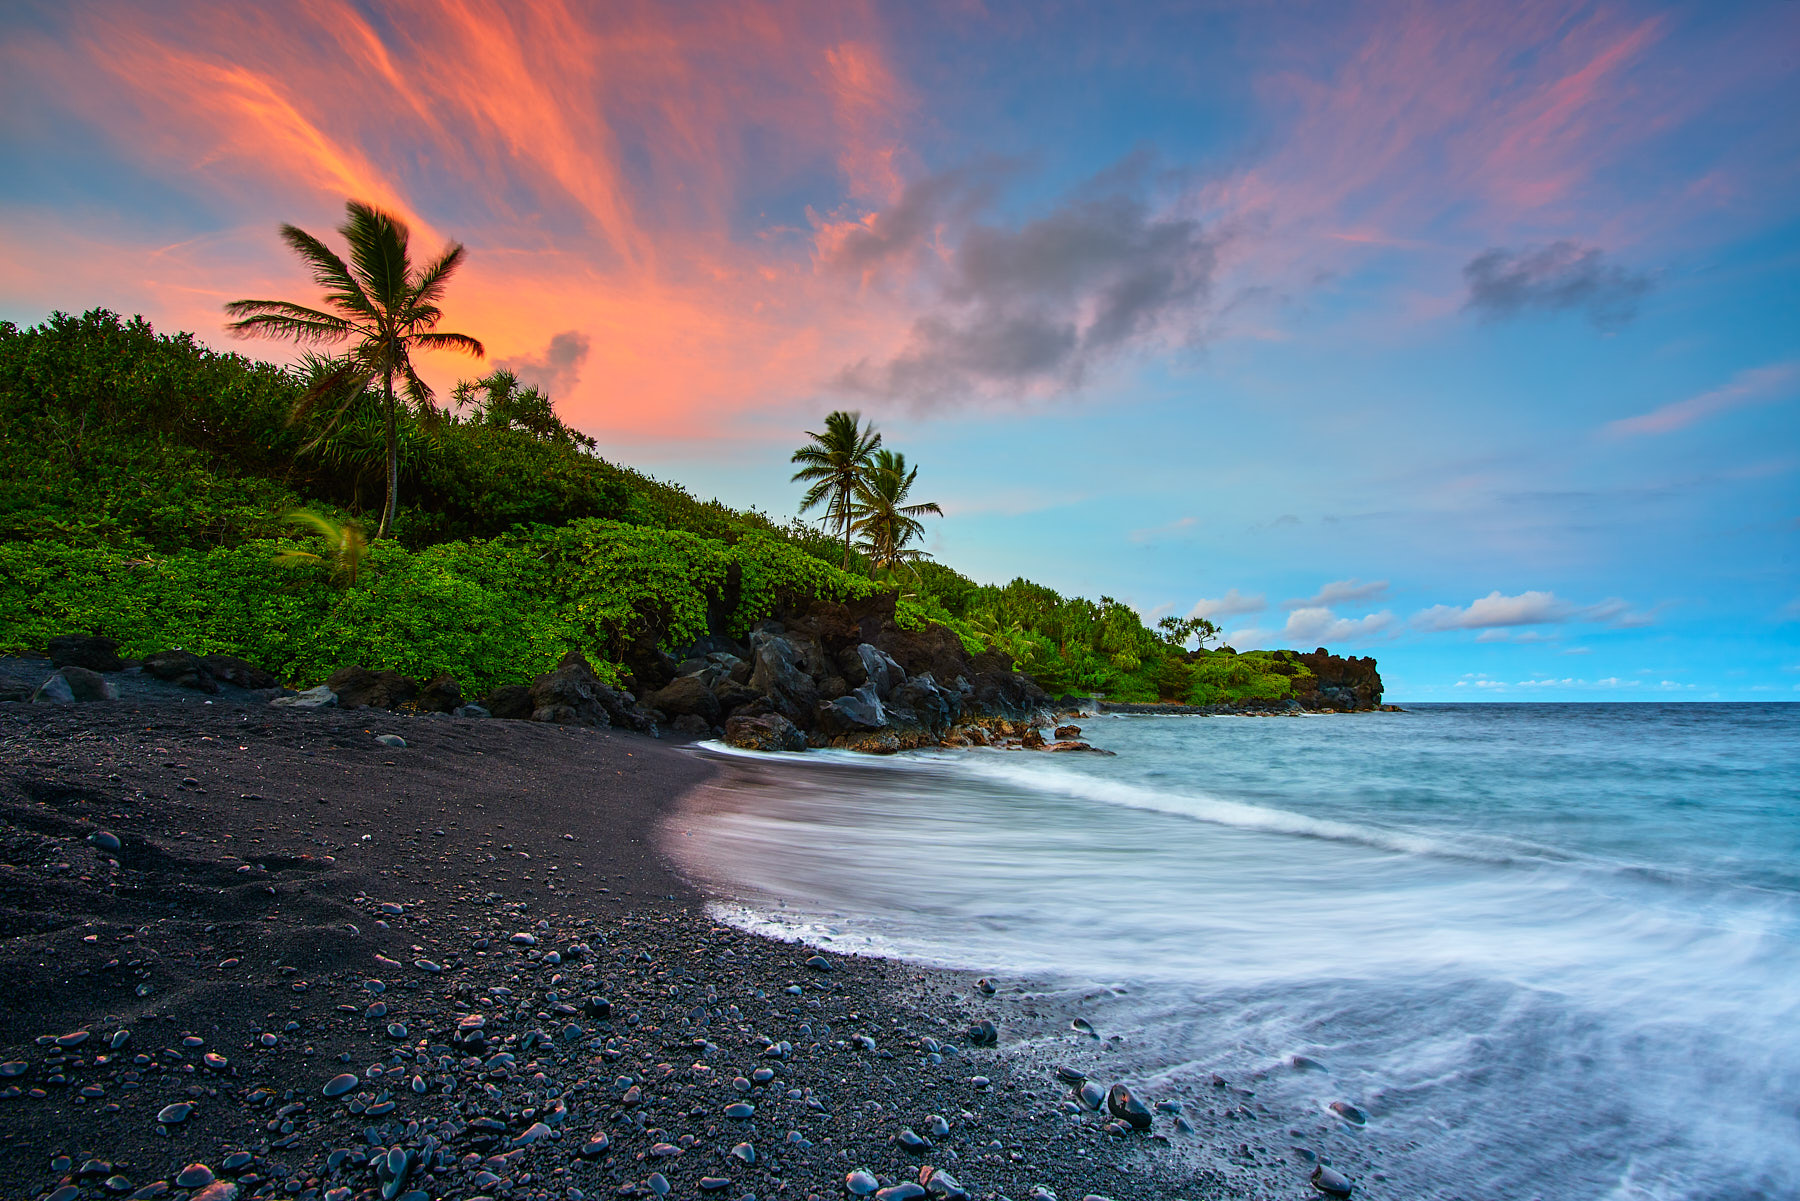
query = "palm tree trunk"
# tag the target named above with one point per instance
(393, 457)
(844, 521)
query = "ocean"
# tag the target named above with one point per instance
(1545, 951)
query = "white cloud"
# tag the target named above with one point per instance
(1341, 592)
(1232, 604)
(1316, 626)
(1496, 611)
(1758, 385)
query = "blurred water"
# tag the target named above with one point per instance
(1554, 950)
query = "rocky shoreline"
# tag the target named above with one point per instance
(843, 676)
(255, 951)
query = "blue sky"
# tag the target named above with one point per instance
(1463, 335)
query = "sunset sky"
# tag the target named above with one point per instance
(1463, 335)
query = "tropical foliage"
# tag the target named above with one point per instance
(147, 483)
(379, 304)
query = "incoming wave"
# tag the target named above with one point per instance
(1241, 815)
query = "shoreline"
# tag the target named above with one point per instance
(224, 882)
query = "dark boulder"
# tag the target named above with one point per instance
(687, 696)
(86, 686)
(183, 668)
(879, 669)
(935, 649)
(440, 694)
(779, 674)
(733, 695)
(359, 688)
(510, 701)
(573, 695)
(240, 673)
(1068, 731)
(921, 704)
(1008, 695)
(859, 712)
(691, 726)
(83, 650)
(764, 732)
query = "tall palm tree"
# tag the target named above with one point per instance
(381, 305)
(835, 463)
(883, 518)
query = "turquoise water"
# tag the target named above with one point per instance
(1552, 950)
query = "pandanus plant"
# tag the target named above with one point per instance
(381, 306)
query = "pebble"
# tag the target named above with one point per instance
(1083, 1026)
(69, 1042)
(740, 1109)
(912, 1140)
(983, 1034)
(1349, 1113)
(819, 963)
(195, 1175)
(393, 740)
(215, 1061)
(1092, 1095)
(659, 1184)
(597, 1146)
(337, 1086)
(860, 1183)
(170, 1115)
(13, 1068)
(1329, 1182)
(1122, 1104)
(936, 1125)
(106, 840)
(713, 1184)
(744, 1152)
(237, 1161)
(906, 1190)
(218, 1190)
(1070, 1075)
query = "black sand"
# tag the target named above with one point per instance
(272, 863)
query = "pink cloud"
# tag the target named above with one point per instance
(1758, 385)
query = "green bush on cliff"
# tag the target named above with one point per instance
(145, 482)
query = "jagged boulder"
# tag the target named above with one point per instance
(779, 674)
(572, 694)
(687, 696)
(84, 650)
(919, 703)
(880, 669)
(858, 712)
(182, 668)
(764, 732)
(733, 695)
(359, 688)
(1008, 695)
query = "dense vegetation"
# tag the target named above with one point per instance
(147, 492)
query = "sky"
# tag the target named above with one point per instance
(1464, 335)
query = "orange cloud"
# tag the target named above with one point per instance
(604, 166)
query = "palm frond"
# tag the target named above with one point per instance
(305, 330)
(429, 288)
(462, 342)
(328, 271)
(378, 252)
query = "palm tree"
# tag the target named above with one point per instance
(835, 463)
(378, 302)
(883, 518)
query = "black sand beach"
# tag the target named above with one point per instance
(290, 900)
